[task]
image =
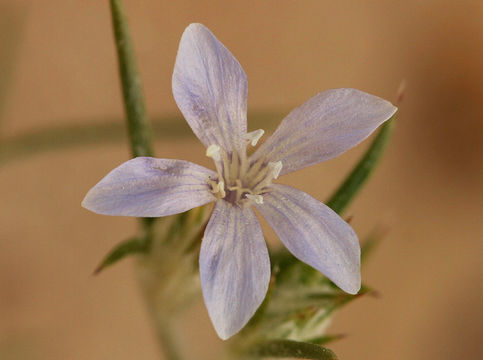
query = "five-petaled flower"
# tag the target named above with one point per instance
(210, 88)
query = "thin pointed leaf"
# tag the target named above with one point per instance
(292, 349)
(137, 121)
(322, 340)
(361, 172)
(122, 250)
(371, 242)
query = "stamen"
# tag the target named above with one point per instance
(266, 175)
(253, 136)
(254, 169)
(275, 168)
(234, 168)
(239, 181)
(213, 151)
(219, 188)
(257, 199)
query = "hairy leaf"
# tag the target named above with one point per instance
(293, 349)
(122, 250)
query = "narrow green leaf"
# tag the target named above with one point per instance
(139, 131)
(122, 250)
(361, 172)
(371, 242)
(293, 349)
(322, 340)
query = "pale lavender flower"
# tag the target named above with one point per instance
(210, 88)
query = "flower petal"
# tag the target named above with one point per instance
(234, 267)
(315, 234)
(149, 187)
(324, 127)
(211, 89)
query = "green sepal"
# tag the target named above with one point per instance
(122, 250)
(292, 349)
(299, 306)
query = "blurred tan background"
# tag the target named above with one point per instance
(58, 65)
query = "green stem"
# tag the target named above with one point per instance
(140, 137)
(139, 131)
(167, 341)
(161, 319)
(138, 128)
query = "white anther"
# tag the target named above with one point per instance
(213, 151)
(275, 168)
(257, 199)
(254, 136)
(220, 188)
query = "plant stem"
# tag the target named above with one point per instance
(166, 339)
(139, 131)
(140, 138)
(161, 317)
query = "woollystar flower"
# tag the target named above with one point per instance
(210, 88)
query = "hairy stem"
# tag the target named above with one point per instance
(137, 122)
(140, 139)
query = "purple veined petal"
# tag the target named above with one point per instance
(234, 267)
(211, 89)
(149, 187)
(324, 127)
(314, 234)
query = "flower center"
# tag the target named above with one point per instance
(239, 180)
